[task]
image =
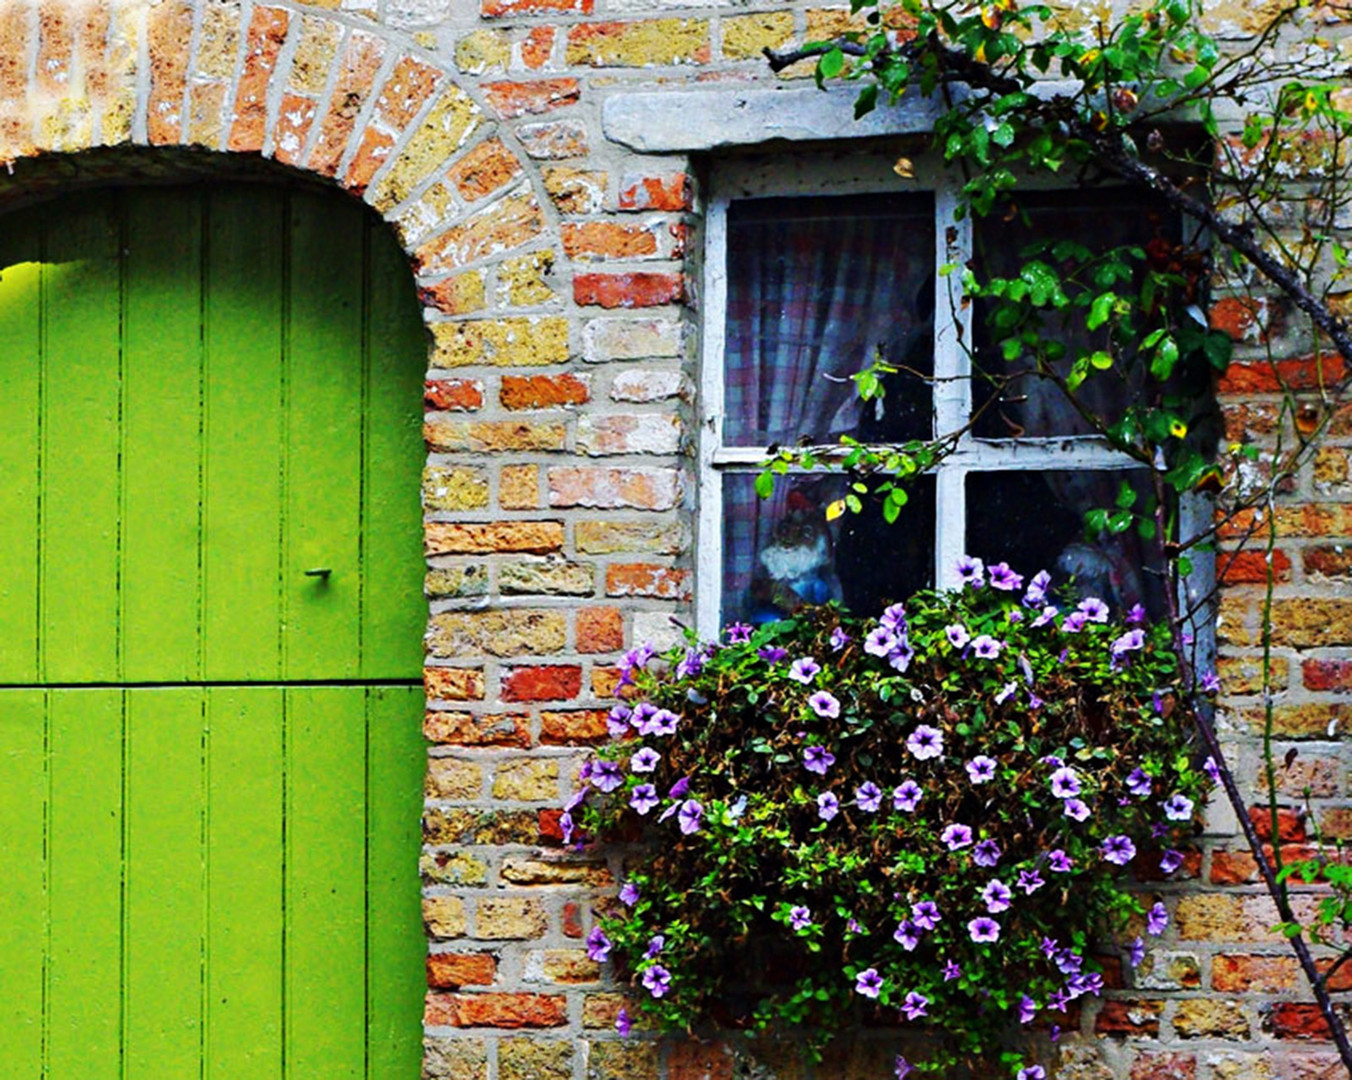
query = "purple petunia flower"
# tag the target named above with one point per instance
(986, 853)
(660, 722)
(1036, 595)
(879, 642)
(907, 935)
(1131, 641)
(982, 929)
(1136, 952)
(868, 982)
(970, 571)
(839, 639)
(824, 704)
(800, 917)
(1170, 861)
(925, 742)
(957, 635)
(951, 970)
(655, 945)
(956, 836)
(1177, 807)
(868, 796)
(679, 788)
(902, 1068)
(598, 945)
(1157, 920)
(906, 795)
(914, 1005)
(894, 618)
(1059, 862)
(1030, 881)
(657, 980)
(804, 670)
(629, 894)
(1002, 577)
(1090, 983)
(739, 633)
(1046, 615)
(1049, 947)
(828, 806)
(853, 927)
(622, 1023)
(1065, 782)
(1075, 808)
(1118, 850)
(1212, 770)
(1027, 1009)
(1135, 614)
(996, 896)
(925, 914)
(566, 826)
(1093, 609)
(1006, 692)
(1211, 683)
(643, 798)
(1033, 1072)
(986, 647)
(617, 721)
(981, 769)
(605, 776)
(901, 655)
(689, 816)
(645, 760)
(1138, 783)
(1069, 962)
(818, 759)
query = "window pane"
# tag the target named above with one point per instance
(780, 552)
(1035, 521)
(1099, 220)
(817, 288)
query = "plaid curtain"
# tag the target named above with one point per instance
(816, 286)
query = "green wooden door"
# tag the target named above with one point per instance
(210, 639)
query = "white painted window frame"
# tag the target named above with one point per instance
(864, 175)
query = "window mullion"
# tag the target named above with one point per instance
(950, 519)
(952, 320)
(709, 518)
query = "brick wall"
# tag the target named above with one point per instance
(555, 270)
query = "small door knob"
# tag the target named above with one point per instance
(319, 572)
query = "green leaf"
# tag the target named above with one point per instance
(1100, 310)
(1101, 360)
(867, 100)
(765, 484)
(1003, 134)
(1166, 356)
(831, 64)
(1126, 495)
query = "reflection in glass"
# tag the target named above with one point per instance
(817, 289)
(781, 553)
(1035, 521)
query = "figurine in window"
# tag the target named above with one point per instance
(797, 566)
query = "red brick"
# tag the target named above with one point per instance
(538, 46)
(573, 728)
(572, 919)
(170, 35)
(1241, 973)
(1129, 1017)
(600, 630)
(453, 395)
(1147, 867)
(1154, 1066)
(54, 50)
(450, 971)
(468, 729)
(292, 128)
(543, 683)
(407, 89)
(357, 70)
(492, 9)
(496, 1010)
(692, 1060)
(1293, 1020)
(1308, 373)
(609, 240)
(628, 290)
(673, 191)
(1251, 567)
(1290, 823)
(550, 828)
(511, 99)
(372, 152)
(487, 168)
(267, 32)
(1330, 675)
(1240, 317)
(543, 391)
(647, 579)
(14, 36)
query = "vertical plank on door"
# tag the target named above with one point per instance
(393, 610)
(23, 812)
(325, 882)
(395, 943)
(164, 902)
(161, 455)
(243, 428)
(81, 443)
(20, 285)
(245, 834)
(85, 884)
(323, 443)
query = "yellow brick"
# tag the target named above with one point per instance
(509, 919)
(519, 342)
(524, 537)
(488, 435)
(527, 781)
(452, 120)
(521, 280)
(318, 44)
(519, 487)
(447, 487)
(444, 916)
(639, 44)
(515, 632)
(450, 778)
(744, 36)
(476, 52)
